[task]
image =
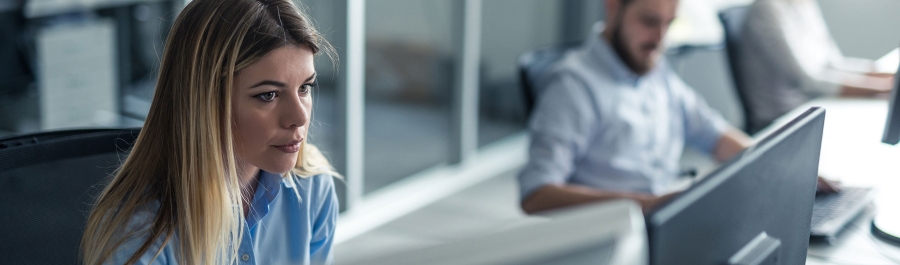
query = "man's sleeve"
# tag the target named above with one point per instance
(703, 126)
(563, 118)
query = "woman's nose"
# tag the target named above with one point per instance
(295, 112)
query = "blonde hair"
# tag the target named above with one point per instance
(183, 158)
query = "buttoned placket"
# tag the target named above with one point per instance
(245, 251)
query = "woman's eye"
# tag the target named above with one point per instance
(306, 87)
(268, 96)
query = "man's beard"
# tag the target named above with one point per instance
(621, 48)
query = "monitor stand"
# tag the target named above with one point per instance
(886, 225)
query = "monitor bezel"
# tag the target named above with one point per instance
(891, 133)
(668, 210)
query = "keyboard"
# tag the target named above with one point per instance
(831, 212)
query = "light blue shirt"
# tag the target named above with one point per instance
(292, 221)
(598, 124)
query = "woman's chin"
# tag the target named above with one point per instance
(279, 168)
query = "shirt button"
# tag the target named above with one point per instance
(245, 257)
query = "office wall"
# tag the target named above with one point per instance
(411, 54)
(866, 29)
(708, 72)
(412, 21)
(510, 27)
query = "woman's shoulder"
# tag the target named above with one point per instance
(325, 179)
(318, 186)
(142, 218)
(136, 234)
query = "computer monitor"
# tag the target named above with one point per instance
(48, 182)
(603, 233)
(754, 209)
(886, 224)
(892, 126)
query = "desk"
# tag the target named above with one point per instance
(852, 152)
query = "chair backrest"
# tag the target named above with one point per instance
(28, 139)
(733, 23)
(47, 185)
(533, 64)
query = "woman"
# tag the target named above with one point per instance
(220, 172)
(787, 57)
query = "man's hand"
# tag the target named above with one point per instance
(827, 186)
(649, 202)
(881, 75)
(550, 197)
(857, 85)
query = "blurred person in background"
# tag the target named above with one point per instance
(613, 117)
(221, 171)
(787, 57)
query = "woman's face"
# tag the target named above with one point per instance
(271, 106)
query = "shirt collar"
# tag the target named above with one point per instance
(268, 185)
(266, 190)
(600, 48)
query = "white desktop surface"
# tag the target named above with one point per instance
(852, 153)
(889, 62)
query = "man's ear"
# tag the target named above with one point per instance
(612, 12)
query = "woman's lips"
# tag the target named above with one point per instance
(291, 147)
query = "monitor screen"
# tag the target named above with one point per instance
(757, 206)
(886, 224)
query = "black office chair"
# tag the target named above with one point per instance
(22, 140)
(48, 182)
(533, 64)
(733, 23)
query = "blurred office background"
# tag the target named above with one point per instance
(423, 111)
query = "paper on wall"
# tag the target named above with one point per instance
(77, 75)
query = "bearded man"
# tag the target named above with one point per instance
(612, 118)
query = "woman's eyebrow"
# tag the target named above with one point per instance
(269, 82)
(280, 84)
